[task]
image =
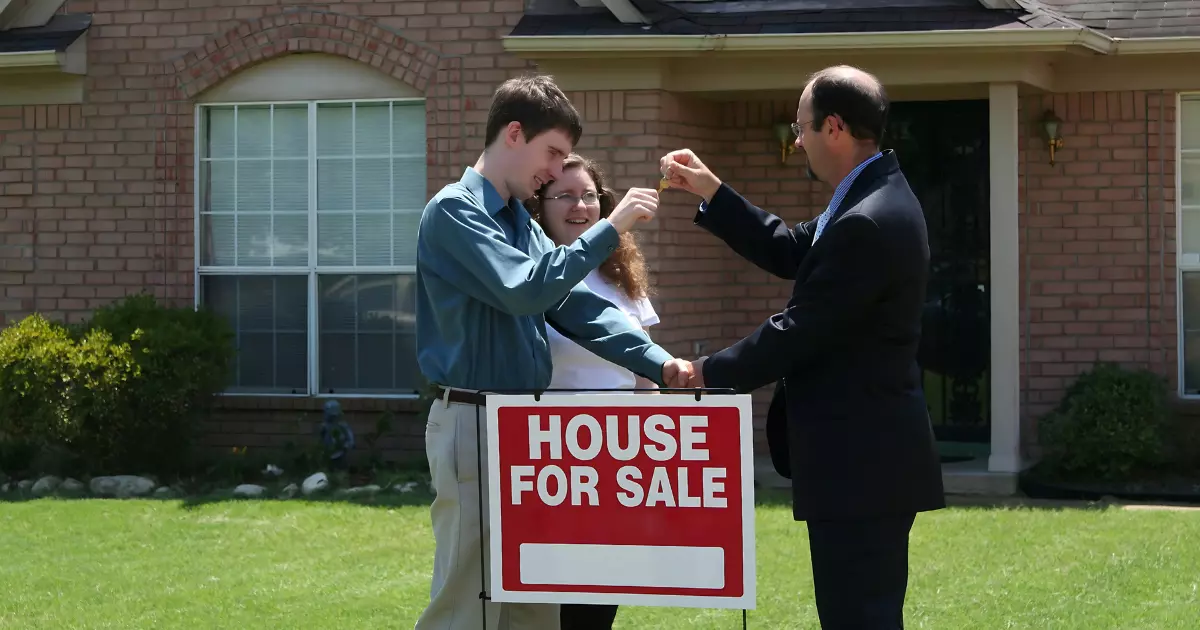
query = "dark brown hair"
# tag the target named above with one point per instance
(625, 267)
(537, 103)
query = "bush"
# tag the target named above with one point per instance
(183, 358)
(1109, 425)
(106, 388)
(35, 373)
(53, 385)
(121, 392)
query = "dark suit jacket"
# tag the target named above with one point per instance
(848, 423)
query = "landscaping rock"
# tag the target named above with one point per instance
(360, 490)
(122, 486)
(7, 487)
(164, 492)
(407, 486)
(45, 485)
(289, 491)
(24, 485)
(272, 470)
(71, 485)
(249, 490)
(315, 483)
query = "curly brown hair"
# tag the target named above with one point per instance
(625, 267)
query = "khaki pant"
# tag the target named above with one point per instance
(450, 444)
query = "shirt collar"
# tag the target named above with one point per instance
(844, 186)
(483, 189)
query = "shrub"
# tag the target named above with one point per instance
(54, 386)
(183, 358)
(121, 392)
(106, 379)
(1109, 424)
(35, 373)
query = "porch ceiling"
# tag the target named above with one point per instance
(718, 74)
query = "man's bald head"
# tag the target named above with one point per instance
(855, 97)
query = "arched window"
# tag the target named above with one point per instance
(310, 181)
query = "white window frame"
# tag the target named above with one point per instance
(311, 269)
(1182, 265)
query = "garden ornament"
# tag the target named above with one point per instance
(336, 435)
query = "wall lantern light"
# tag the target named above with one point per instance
(787, 141)
(1051, 124)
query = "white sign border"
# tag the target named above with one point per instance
(627, 399)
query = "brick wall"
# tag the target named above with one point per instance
(96, 199)
(1101, 271)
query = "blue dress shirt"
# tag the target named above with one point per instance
(489, 280)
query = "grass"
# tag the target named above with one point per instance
(74, 564)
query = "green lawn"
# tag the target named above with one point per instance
(271, 564)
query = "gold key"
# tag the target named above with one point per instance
(663, 184)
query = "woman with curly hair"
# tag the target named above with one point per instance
(566, 208)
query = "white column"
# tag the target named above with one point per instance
(1005, 280)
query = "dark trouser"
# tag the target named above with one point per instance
(860, 572)
(587, 616)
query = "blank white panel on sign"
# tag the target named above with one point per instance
(623, 565)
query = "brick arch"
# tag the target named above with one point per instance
(301, 29)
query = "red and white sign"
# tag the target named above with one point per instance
(644, 500)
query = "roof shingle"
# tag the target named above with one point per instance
(814, 16)
(1132, 18)
(1117, 18)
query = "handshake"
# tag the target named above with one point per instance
(681, 373)
(680, 169)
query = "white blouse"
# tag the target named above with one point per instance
(575, 367)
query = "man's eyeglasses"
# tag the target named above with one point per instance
(798, 127)
(589, 198)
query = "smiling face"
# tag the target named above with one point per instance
(535, 161)
(570, 205)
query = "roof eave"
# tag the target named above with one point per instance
(562, 46)
(1155, 45)
(72, 60)
(29, 60)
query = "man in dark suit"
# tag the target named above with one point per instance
(848, 422)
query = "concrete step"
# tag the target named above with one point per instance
(966, 477)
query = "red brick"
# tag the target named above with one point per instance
(1098, 195)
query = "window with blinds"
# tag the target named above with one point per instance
(307, 224)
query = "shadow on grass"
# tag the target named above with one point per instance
(782, 498)
(383, 499)
(765, 497)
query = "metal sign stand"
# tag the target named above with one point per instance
(484, 598)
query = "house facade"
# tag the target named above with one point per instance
(270, 160)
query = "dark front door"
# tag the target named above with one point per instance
(943, 150)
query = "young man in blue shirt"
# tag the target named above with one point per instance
(489, 281)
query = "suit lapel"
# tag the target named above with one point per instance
(865, 183)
